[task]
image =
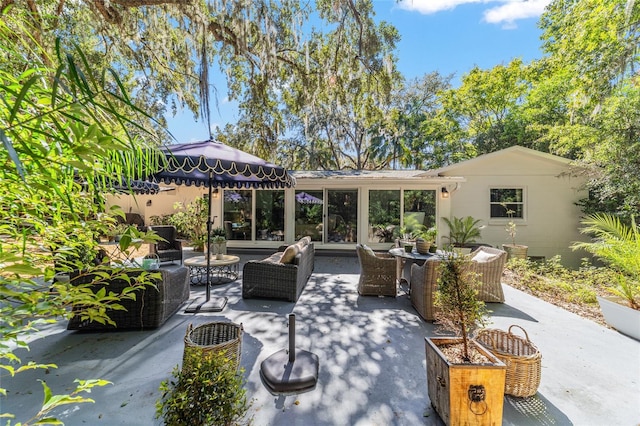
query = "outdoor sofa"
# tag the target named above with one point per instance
(283, 275)
(152, 306)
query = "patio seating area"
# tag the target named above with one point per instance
(371, 352)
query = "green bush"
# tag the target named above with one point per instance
(209, 392)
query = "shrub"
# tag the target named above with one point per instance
(209, 392)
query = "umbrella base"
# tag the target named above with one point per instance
(215, 304)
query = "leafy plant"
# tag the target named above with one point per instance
(463, 230)
(459, 309)
(209, 392)
(512, 229)
(427, 234)
(618, 245)
(218, 241)
(191, 221)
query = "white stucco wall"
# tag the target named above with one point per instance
(551, 217)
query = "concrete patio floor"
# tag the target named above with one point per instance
(372, 361)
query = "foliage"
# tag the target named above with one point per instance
(617, 244)
(463, 230)
(427, 234)
(61, 123)
(191, 221)
(459, 309)
(209, 392)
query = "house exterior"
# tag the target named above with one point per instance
(338, 209)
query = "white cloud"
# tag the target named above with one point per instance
(510, 12)
(427, 7)
(506, 13)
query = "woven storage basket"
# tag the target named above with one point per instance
(522, 358)
(213, 337)
(422, 246)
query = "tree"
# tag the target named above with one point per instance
(61, 124)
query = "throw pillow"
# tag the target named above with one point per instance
(289, 254)
(483, 257)
(368, 250)
(307, 240)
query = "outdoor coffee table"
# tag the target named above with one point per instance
(221, 270)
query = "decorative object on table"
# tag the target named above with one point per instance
(377, 273)
(219, 241)
(425, 238)
(462, 232)
(617, 244)
(514, 251)
(151, 262)
(290, 370)
(213, 164)
(408, 247)
(522, 358)
(465, 381)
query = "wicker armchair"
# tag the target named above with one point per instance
(170, 249)
(378, 273)
(490, 265)
(424, 281)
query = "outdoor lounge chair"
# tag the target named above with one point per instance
(378, 273)
(490, 263)
(170, 249)
(424, 281)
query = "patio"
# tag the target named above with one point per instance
(372, 360)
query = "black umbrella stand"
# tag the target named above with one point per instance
(208, 304)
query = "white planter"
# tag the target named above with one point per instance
(621, 317)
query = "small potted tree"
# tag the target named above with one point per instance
(465, 381)
(514, 251)
(219, 241)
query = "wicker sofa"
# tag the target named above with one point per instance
(282, 275)
(152, 307)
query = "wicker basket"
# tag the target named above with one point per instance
(213, 337)
(523, 359)
(422, 246)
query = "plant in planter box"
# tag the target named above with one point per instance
(514, 251)
(618, 245)
(465, 380)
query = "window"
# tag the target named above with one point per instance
(507, 203)
(384, 215)
(309, 205)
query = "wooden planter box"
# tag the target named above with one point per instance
(464, 394)
(515, 251)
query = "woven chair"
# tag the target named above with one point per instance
(378, 273)
(490, 264)
(170, 249)
(424, 281)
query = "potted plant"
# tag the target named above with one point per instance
(618, 245)
(219, 242)
(514, 251)
(465, 381)
(463, 231)
(425, 239)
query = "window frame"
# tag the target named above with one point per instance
(522, 203)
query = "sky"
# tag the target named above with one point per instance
(447, 36)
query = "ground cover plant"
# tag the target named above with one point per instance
(573, 290)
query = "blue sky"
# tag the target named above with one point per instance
(448, 36)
